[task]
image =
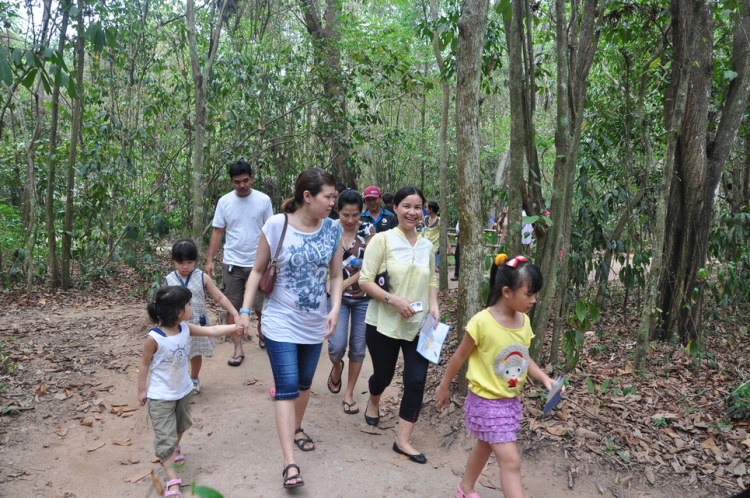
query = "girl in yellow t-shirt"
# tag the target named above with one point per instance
(497, 346)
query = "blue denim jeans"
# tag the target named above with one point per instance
(354, 309)
(293, 366)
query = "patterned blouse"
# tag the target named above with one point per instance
(356, 250)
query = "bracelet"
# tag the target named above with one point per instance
(387, 296)
(243, 310)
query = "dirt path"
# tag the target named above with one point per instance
(86, 357)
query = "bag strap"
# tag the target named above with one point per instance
(281, 241)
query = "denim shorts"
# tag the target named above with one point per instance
(350, 330)
(293, 366)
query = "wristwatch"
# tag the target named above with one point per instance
(387, 296)
(243, 310)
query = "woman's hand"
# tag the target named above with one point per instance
(435, 312)
(402, 306)
(244, 322)
(442, 397)
(332, 321)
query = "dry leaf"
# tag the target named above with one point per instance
(140, 476)
(746, 442)
(558, 430)
(129, 461)
(121, 443)
(98, 416)
(117, 411)
(251, 382)
(42, 389)
(94, 448)
(61, 432)
(157, 484)
(86, 422)
(650, 475)
(581, 432)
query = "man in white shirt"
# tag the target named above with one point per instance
(240, 215)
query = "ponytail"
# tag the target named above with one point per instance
(168, 303)
(289, 206)
(311, 180)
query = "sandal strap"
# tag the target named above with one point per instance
(173, 482)
(298, 431)
(286, 470)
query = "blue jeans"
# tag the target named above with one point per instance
(293, 366)
(354, 308)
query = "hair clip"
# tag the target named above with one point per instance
(500, 259)
(513, 262)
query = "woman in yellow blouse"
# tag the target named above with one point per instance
(393, 317)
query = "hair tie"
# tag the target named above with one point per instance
(514, 262)
(500, 259)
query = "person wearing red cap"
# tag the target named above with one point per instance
(382, 220)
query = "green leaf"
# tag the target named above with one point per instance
(591, 386)
(581, 310)
(624, 456)
(730, 75)
(6, 74)
(29, 79)
(205, 492)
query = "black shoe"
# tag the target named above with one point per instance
(372, 420)
(454, 277)
(414, 458)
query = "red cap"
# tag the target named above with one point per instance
(372, 191)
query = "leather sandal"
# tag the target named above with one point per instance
(301, 442)
(287, 477)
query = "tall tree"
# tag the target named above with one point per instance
(702, 148)
(200, 85)
(472, 25)
(54, 269)
(326, 39)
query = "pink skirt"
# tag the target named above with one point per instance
(492, 420)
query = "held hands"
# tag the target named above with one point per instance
(242, 323)
(239, 327)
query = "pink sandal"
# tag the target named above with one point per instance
(174, 492)
(460, 493)
(179, 457)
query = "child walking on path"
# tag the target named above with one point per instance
(497, 344)
(184, 256)
(170, 389)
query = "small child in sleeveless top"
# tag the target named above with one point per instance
(496, 343)
(184, 256)
(164, 361)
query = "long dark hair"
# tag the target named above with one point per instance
(405, 192)
(312, 180)
(513, 277)
(168, 303)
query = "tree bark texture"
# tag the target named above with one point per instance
(54, 267)
(576, 45)
(442, 137)
(699, 160)
(326, 38)
(75, 129)
(472, 25)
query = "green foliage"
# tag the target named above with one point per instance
(11, 245)
(204, 492)
(728, 244)
(583, 317)
(738, 403)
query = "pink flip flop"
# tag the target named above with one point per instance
(179, 457)
(460, 493)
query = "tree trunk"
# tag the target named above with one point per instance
(443, 155)
(472, 24)
(576, 46)
(200, 80)
(513, 35)
(698, 163)
(77, 121)
(327, 52)
(54, 269)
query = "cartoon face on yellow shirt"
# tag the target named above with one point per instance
(511, 364)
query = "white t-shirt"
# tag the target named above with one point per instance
(169, 366)
(242, 219)
(296, 309)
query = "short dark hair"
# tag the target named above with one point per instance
(350, 196)
(311, 180)
(168, 303)
(238, 168)
(513, 277)
(340, 187)
(184, 249)
(388, 198)
(433, 206)
(405, 192)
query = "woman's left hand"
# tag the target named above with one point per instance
(435, 312)
(332, 321)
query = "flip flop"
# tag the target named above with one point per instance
(350, 408)
(335, 387)
(261, 342)
(302, 441)
(236, 361)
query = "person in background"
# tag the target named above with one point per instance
(388, 202)
(380, 218)
(432, 228)
(357, 234)
(340, 187)
(240, 216)
(457, 255)
(393, 316)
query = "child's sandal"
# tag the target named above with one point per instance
(179, 457)
(174, 492)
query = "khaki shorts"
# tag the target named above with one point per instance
(233, 286)
(169, 419)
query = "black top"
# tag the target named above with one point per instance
(385, 221)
